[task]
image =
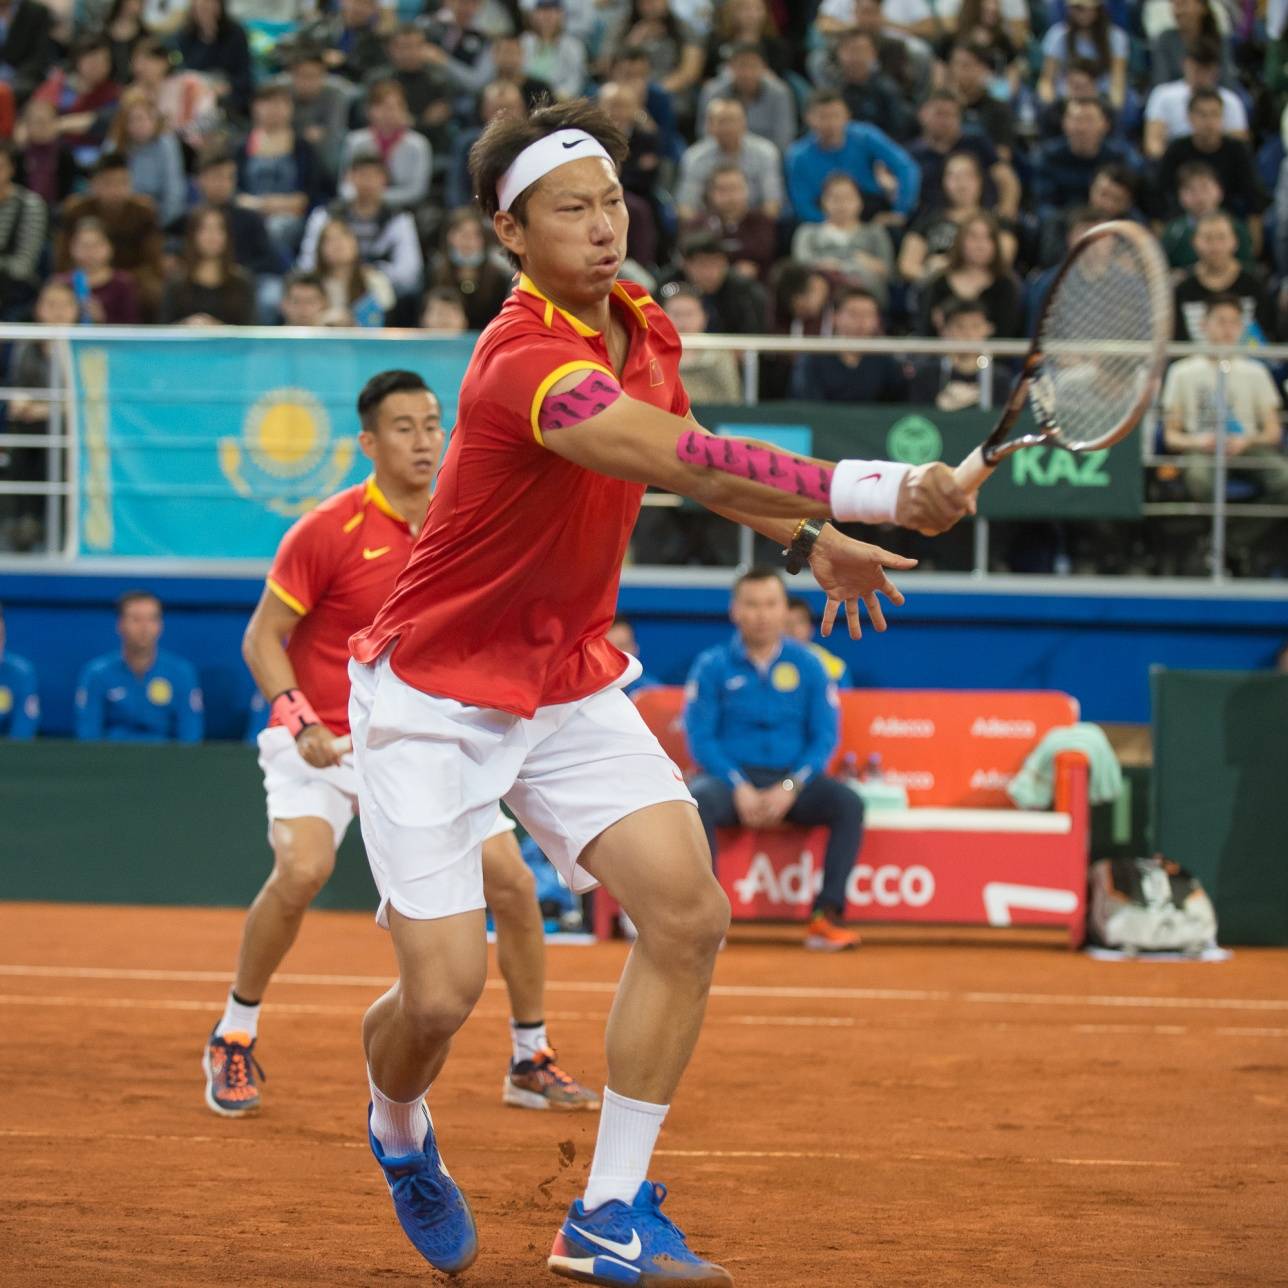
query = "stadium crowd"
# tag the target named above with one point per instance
(839, 167)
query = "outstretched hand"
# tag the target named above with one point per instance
(850, 571)
(930, 500)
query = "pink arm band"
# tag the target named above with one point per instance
(291, 709)
(756, 464)
(594, 394)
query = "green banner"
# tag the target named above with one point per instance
(1035, 483)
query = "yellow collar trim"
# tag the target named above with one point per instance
(372, 495)
(636, 306)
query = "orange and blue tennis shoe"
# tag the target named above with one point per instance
(231, 1070)
(621, 1243)
(540, 1083)
(429, 1205)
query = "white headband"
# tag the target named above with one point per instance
(539, 158)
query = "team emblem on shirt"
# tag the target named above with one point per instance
(785, 677)
(160, 692)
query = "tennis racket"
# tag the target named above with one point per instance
(1098, 351)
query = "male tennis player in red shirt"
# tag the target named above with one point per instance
(487, 676)
(332, 572)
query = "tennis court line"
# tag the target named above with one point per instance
(973, 997)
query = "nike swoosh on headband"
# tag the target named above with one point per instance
(573, 144)
(628, 1250)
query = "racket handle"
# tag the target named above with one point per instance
(343, 744)
(973, 471)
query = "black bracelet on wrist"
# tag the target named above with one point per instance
(807, 533)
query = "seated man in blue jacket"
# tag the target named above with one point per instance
(140, 694)
(762, 721)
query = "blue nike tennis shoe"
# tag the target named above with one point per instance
(430, 1207)
(620, 1243)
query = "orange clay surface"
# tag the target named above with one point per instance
(934, 1109)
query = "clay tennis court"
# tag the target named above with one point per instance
(946, 1109)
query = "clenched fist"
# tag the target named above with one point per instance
(930, 501)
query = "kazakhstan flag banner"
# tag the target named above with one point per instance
(211, 447)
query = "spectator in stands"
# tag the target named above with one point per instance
(639, 171)
(357, 295)
(675, 51)
(497, 98)
(26, 48)
(124, 30)
(727, 140)
(747, 22)
(152, 152)
(106, 294)
(83, 95)
(216, 186)
(320, 106)
(734, 305)
(853, 376)
(1249, 408)
(1076, 222)
(621, 635)
(348, 33)
(1112, 194)
(504, 61)
(709, 375)
(762, 722)
(1064, 168)
(926, 245)
(1167, 109)
(851, 252)
(444, 312)
(457, 45)
(751, 235)
(1218, 272)
(47, 166)
(463, 265)
(768, 102)
(187, 100)
(130, 221)
(802, 300)
(550, 53)
(976, 270)
(801, 626)
(941, 138)
(304, 300)
(426, 86)
(1194, 23)
(1087, 34)
(907, 17)
(278, 174)
(968, 78)
(209, 289)
(1200, 194)
(24, 222)
(631, 66)
(952, 383)
(214, 43)
(387, 237)
(834, 142)
(1207, 142)
(405, 153)
(999, 29)
(141, 693)
(904, 59)
(19, 694)
(870, 95)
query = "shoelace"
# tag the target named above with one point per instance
(236, 1074)
(423, 1182)
(545, 1063)
(673, 1237)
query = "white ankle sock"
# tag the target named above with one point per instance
(627, 1133)
(399, 1125)
(238, 1018)
(528, 1040)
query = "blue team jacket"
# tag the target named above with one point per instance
(19, 701)
(114, 704)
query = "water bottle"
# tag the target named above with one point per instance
(872, 769)
(849, 767)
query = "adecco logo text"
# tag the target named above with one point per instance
(915, 780)
(887, 886)
(893, 727)
(992, 727)
(989, 780)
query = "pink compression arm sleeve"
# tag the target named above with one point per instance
(594, 394)
(756, 464)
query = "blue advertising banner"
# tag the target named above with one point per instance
(210, 448)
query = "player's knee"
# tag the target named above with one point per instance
(512, 891)
(299, 874)
(434, 1016)
(691, 928)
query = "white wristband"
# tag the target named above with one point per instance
(866, 491)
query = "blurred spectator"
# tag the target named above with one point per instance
(212, 42)
(926, 245)
(1218, 272)
(216, 186)
(640, 171)
(908, 17)
(952, 382)
(734, 305)
(942, 137)
(675, 51)
(208, 289)
(464, 266)
(999, 29)
(550, 53)
(1063, 168)
(405, 153)
(747, 22)
(905, 60)
(187, 100)
(387, 237)
(356, 294)
(768, 102)
(1167, 109)
(141, 693)
(854, 376)
(130, 221)
(968, 78)
(124, 29)
(1087, 34)
(83, 94)
(348, 33)
(800, 627)
(621, 635)
(456, 43)
(426, 86)
(869, 94)
(834, 142)
(750, 235)
(304, 300)
(278, 175)
(709, 375)
(727, 140)
(444, 312)
(581, 18)
(152, 151)
(802, 300)
(1194, 23)
(851, 252)
(976, 270)
(631, 66)
(1077, 220)
(321, 106)
(1112, 194)
(504, 61)
(47, 166)
(498, 97)
(24, 223)
(1200, 194)
(106, 294)
(26, 50)
(1207, 142)
(19, 694)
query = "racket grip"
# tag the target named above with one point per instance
(343, 744)
(973, 471)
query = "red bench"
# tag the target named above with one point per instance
(960, 854)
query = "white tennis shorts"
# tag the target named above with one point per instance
(431, 771)
(295, 789)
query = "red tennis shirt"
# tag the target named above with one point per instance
(513, 582)
(335, 567)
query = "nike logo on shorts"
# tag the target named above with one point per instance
(630, 1251)
(369, 553)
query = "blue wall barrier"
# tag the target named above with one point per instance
(1094, 645)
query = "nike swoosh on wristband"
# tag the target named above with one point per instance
(865, 478)
(574, 144)
(628, 1250)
